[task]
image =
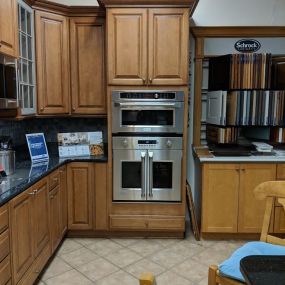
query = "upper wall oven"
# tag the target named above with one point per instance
(147, 111)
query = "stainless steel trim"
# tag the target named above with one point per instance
(143, 168)
(150, 175)
(150, 104)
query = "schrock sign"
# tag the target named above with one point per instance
(247, 45)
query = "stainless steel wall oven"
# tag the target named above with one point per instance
(147, 111)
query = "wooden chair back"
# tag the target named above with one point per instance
(271, 191)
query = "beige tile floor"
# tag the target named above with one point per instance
(81, 261)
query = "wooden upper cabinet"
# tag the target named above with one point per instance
(9, 27)
(168, 46)
(220, 192)
(21, 213)
(127, 46)
(148, 46)
(87, 44)
(52, 50)
(251, 211)
(80, 185)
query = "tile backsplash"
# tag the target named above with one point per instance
(50, 127)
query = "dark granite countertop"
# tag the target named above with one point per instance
(27, 174)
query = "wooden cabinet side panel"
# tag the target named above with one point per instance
(127, 46)
(8, 27)
(101, 202)
(88, 65)
(63, 200)
(41, 216)
(80, 196)
(22, 236)
(220, 186)
(251, 211)
(52, 51)
(168, 46)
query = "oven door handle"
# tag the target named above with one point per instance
(150, 165)
(140, 104)
(143, 166)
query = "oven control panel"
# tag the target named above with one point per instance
(147, 143)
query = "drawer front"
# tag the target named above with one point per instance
(3, 218)
(5, 270)
(54, 179)
(129, 223)
(167, 224)
(4, 245)
(280, 172)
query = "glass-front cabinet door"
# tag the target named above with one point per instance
(27, 82)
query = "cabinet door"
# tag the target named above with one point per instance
(63, 200)
(127, 46)
(80, 196)
(55, 217)
(52, 49)
(8, 27)
(41, 216)
(220, 186)
(168, 46)
(251, 211)
(87, 65)
(21, 212)
(101, 202)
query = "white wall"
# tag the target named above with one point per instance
(240, 13)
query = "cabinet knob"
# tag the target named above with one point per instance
(51, 196)
(41, 109)
(144, 81)
(150, 80)
(73, 109)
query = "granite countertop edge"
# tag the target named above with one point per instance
(54, 163)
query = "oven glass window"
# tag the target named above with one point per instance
(147, 117)
(131, 174)
(162, 175)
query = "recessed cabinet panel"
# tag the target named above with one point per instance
(80, 196)
(87, 65)
(251, 211)
(127, 46)
(219, 198)
(52, 47)
(8, 27)
(168, 46)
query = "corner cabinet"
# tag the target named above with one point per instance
(52, 53)
(87, 45)
(148, 46)
(8, 27)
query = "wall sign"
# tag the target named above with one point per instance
(247, 45)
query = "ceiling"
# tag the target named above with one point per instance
(224, 12)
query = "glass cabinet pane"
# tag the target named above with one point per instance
(30, 54)
(29, 24)
(24, 71)
(31, 73)
(23, 20)
(26, 96)
(31, 94)
(24, 46)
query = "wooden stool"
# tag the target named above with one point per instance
(147, 278)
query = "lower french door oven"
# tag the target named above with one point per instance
(147, 169)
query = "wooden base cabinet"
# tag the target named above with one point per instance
(228, 203)
(30, 230)
(9, 27)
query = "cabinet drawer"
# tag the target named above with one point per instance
(5, 270)
(3, 218)
(54, 180)
(280, 172)
(4, 245)
(130, 223)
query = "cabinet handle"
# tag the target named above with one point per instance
(32, 193)
(243, 170)
(41, 109)
(51, 196)
(150, 80)
(55, 179)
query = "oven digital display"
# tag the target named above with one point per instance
(147, 142)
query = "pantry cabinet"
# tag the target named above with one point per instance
(53, 72)
(30, 230)
(148, 46)
(87, 47)
(228, 202)
(8, 28)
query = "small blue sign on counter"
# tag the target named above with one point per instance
(37, 147)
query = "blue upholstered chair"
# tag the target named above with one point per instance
(228, 273)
